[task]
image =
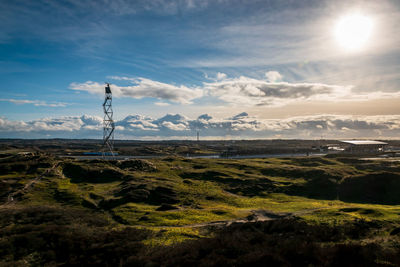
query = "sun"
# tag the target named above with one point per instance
(353, 31)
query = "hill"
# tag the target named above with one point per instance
(168, 210)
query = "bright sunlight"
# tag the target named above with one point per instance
(353, 31)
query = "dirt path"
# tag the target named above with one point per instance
(255, 216)
(12, 196)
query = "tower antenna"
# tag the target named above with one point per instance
(108, 123)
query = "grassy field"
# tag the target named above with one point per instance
(173, 200)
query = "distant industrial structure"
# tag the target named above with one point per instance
(108, 124)
(364, 146)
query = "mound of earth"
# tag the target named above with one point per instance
(7, 186)
(251, 188)
(5, 189)
(213, 176)
(306, 173)
(65, 196)
(311, 162)
(245, 187)
(379, 188)
(318, 188)
(93, 174)
(136, 165)
(282, 242)
(141, 193)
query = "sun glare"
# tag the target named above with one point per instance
(353, 31)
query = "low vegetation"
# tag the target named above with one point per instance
(179, 211)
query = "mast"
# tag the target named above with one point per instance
(108, 123)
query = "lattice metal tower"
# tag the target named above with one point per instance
(108, 123)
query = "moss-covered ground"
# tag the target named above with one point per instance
(175, 198)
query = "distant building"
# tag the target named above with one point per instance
(364, 146)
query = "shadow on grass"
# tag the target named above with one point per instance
(92, 174)
(44, 236)
(374, 188)
(286, 242)
(245, 187)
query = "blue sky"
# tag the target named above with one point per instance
(271, 59)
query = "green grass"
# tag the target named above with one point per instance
(207, 190)
(136, 214)
(169, 236)
(17, 175)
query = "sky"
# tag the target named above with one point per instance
(226, 68)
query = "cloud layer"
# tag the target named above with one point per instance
(241, 91)
(241, 126)
(143, 88)
(248, 91)
(37, 103)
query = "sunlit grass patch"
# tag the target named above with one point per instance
(41, 194)
(279, 202)
(140, 214)
(186, 217)
(353, 211)
(170, 236)
(103, 189)
(195, 192)
(18, 176)
(328, 216)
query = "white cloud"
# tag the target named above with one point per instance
(91, 120)
(37, 103)
(221, 76)
(239, 126)
(174, 127)
(218, 77)
(248, 91)
(121, 78)
(137, 122)
(241, 91)
(143, 88)
(161, 104)
(273, 76)
(49, 125)
(91, 87)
